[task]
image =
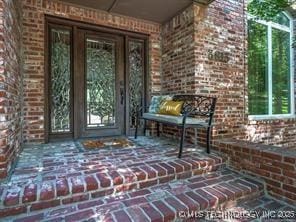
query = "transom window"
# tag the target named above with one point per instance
(270, 74)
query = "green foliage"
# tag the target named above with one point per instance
(281, 71)
(267, 9)
(258, 70)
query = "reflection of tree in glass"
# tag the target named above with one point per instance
(268, 9)
(60, 81)
(281, 71)
(257, 68)
(100, 79)
(136, 79)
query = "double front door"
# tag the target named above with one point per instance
(96, 82)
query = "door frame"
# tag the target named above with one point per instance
(145, 81)
(47, 83)
(80, 110)
(74, 26)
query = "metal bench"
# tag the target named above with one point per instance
(197, 111)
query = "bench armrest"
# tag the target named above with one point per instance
(191, 110)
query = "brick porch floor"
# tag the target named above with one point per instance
(62, 182)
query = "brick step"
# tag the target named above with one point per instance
(19, 198)
(64, 165)
(163, 202)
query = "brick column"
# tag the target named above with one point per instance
(187, 68)
(10, 84)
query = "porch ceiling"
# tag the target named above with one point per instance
(153, 10)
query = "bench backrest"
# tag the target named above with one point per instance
(197, 105)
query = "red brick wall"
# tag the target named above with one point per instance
(178, 58)
(33, 38)
(10, 84)
(281, 132)
(220, 28)
(187, 38)
(178, 54)
(182, 67)
(186, 68)
(276, 166)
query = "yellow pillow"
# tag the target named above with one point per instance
(169, 107)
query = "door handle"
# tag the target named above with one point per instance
(121, 96)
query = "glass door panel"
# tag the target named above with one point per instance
(60, 81)
(136, 70)
(100, 102)
(100, 83)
